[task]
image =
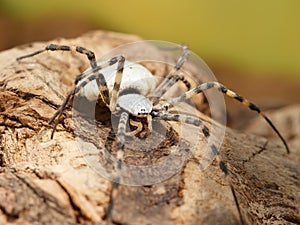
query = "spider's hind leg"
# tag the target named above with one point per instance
(71, 94)
(59, 112)
(168, 80)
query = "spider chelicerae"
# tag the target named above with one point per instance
(142, 101)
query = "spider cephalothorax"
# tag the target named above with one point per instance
(130, 91)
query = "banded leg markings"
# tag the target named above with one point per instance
(52, 47)
(226, 91)
(185, 119)
(120, 155)
(172, 80)
(114, 95)
(182, 59)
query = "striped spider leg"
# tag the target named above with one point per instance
(205, 86)
(83, 79)
(171, 78)
(161, 111)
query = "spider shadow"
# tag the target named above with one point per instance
(97, 124)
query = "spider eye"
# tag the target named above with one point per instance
(142, 111)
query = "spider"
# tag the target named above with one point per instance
(129, 99)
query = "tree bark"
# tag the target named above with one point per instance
(48, 181)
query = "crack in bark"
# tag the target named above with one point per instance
(254, 154)
(18, 123)
(79, 215)
(42, 195)
(27, 96)
(27, 198)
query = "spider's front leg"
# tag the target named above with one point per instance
(53, 47)
(119, 159)
(92, 59)
(226, 91)
(90, 74)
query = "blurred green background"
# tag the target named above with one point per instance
(253, 36)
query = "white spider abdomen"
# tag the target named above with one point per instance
(135, 76)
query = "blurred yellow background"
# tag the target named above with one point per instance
(253, 36)
(253, 47)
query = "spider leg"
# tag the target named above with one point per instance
(205, 130)
(111, 103)
(182, 59)
(52, 47)
(120, 155)
(92, 59)
(98, 76)
(224, 90)
(59, 112)
(74, 91)
(117, 83)
(90, 75)
(172, 80)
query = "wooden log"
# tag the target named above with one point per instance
(49, 181)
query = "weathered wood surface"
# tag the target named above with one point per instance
(44, 181)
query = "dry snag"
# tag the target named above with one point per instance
(116, 159)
